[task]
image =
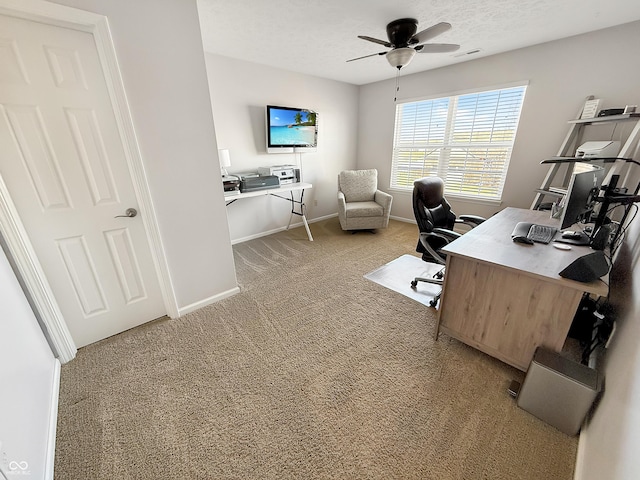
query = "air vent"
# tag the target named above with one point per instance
(469, 52)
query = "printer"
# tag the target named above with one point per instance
(231, 184)
(286, 173)
(599, 149)
(254, 181)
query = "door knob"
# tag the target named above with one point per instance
(129, 212)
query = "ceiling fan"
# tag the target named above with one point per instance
(404, 42)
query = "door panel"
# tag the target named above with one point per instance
(38, 158)
(93, 155)
(125, 263)
(11, 68)
(66, 68)
(82, 273)
(66, 169)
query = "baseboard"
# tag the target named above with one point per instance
(53, 421)
(310, 221)
(264, 234)
(580, 458)
(207, 301)
(405, 220)
(325, 217)
(281, 229)
(413, 222)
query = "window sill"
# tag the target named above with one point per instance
(453, 196)
(401, 191)
(477, 201)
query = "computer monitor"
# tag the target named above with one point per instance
(581, 194)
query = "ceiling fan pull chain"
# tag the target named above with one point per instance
(397, 85)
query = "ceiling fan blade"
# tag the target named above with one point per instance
(431, 32)
(437, 48)
(367, 56)
(375, 40)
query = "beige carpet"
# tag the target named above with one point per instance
(311, 372)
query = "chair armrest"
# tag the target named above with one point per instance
(424, 240)
(384, 199)
(471, 220)
(448, 235)
(341, 200)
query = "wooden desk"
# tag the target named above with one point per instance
(506, 298)
(279, 192)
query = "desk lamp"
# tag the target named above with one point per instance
(225, 161)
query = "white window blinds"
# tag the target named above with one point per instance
(466, 140)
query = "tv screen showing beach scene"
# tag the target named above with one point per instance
(291, 127)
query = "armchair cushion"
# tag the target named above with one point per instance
(359, 185)
(364, 209)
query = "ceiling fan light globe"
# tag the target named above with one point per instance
(400, 57)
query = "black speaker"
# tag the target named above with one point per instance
(297, 173)
(587, 268)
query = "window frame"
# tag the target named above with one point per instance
(443, 164)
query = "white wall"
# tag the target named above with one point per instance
(159, 49)
(560, 74)
(29, 376)
(240, 92)
(609, 444)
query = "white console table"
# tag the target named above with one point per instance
(280, 192)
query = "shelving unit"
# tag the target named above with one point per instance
(566, 161)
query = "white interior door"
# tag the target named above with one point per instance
(65, 167)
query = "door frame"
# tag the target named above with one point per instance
(11, 226)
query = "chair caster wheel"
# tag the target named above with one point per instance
(414, 284)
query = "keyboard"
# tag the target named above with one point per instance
(541, 233)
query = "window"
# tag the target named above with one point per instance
(466, 140)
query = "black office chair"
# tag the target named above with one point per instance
(435, 221)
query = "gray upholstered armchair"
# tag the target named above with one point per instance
(361, 206)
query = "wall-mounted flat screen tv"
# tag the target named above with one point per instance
(291, 129)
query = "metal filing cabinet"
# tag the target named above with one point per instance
(558, 390)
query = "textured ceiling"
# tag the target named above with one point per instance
(317, 37)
